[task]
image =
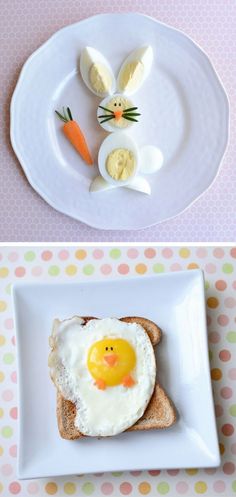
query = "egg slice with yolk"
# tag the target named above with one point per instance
(135, 70)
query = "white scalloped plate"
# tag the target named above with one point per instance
(184, 111)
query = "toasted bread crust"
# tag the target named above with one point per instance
(153, 331)
(66, 412)
(160, 412)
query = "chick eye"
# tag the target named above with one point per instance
(115, 105)
(111, 348)
(119, 105)
(106, 348)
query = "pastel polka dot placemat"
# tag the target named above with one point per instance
(24, 25)
(79, 263)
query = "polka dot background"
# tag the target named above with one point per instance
(85, 263)
(24, 25)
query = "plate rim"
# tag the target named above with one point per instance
(21, 472)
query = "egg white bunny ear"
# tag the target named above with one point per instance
(96, 72)
(134, 70)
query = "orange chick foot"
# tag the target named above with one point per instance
(100, 384)
(128, 381)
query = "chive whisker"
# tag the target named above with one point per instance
(105, 108)
(107, 119)
(105, 115)
(131, 108)
(131, 114)
(130, 119)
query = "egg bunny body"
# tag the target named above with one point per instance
(117, 114)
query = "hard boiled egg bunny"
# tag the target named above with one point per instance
(121, 162)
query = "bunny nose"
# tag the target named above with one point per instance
(110, 359)
(118, 114)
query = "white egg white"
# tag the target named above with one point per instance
(99, 184)
(140, 184)
(151, 159)
(113, 410)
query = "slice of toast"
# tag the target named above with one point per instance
(160, 412)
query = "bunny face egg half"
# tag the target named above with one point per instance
(115, 113)
(107, 369)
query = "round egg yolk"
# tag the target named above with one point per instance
(120, 164)
(110, 360)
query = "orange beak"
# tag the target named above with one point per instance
(118, 114)
(110, 359)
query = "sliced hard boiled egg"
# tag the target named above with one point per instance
(117, 113)
(134, 70)
(118, 159)
(140, 185)
(100, 184)
(96, 72)
(151, 159)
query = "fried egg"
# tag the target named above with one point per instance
(107, 368)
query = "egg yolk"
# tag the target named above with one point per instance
(120, 164)
(111, 360)
(131, 75)
(100, 78)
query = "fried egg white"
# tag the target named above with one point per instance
(77, 367)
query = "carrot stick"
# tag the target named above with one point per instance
(74, 134)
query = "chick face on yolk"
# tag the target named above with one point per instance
(111, 360)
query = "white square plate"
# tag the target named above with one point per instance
(176, 303)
